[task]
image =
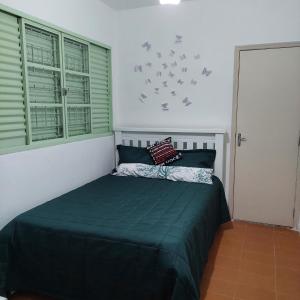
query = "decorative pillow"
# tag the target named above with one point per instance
(163, 152)
(197, 158)
(200, 175)
(130, 154)
(197, 175)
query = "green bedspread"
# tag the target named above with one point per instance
(115, 238)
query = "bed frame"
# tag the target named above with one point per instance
(182, 139)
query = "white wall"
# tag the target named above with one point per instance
(32, 177)
(211, 27)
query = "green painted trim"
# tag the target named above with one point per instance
(55, 105)
(76, 39)
(25, 82)
(56, 142)
(71, 72)
(77, 73)
(110, 91)
(38, 25)
(21, 14)
(30, 105)
(42, 67)
(79, 105)
(61, 32)
(91, 93)
(63, 85)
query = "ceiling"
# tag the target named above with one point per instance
(128, 4)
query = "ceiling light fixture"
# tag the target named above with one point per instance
(174, 2)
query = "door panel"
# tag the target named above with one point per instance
(297, 202)
(268, 117)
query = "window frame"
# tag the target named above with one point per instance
(61, 32)
(27, 64)
(83, 74)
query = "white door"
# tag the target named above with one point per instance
(268, 121)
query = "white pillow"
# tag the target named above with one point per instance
(187, 174)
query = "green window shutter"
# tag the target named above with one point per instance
(100, 89)
(44, 83)
(55, 86)
(12, 104)
(77, 81)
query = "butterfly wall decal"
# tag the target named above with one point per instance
(147, 46)
(206, 72)
(178, 39)
(171, 63)
(174, 64)
(143, 97)
(138, 68)
(186, 101)
(171, 74)
(165, 106)
(172, 53)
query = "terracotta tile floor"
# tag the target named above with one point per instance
(253, 262)
(248, 262)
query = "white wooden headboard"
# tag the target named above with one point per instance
(182, 139)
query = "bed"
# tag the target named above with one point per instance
(117, 237)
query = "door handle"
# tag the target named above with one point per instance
(240, 139)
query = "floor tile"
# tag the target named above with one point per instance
(258, 257)
(289, 262)
(230, 241)
(224, 261)
(257, 281)
(295, 296)
(225, 249)
(287, 281)
(290, 252)
(246, 292)
(262, 247)
(223, 273)
(218, 286)
(257, 268)
(259, 237)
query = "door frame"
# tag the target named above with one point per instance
(237, 52)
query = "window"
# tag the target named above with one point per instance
(55, 87)
(77, 78)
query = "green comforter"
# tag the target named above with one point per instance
(115, 238)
